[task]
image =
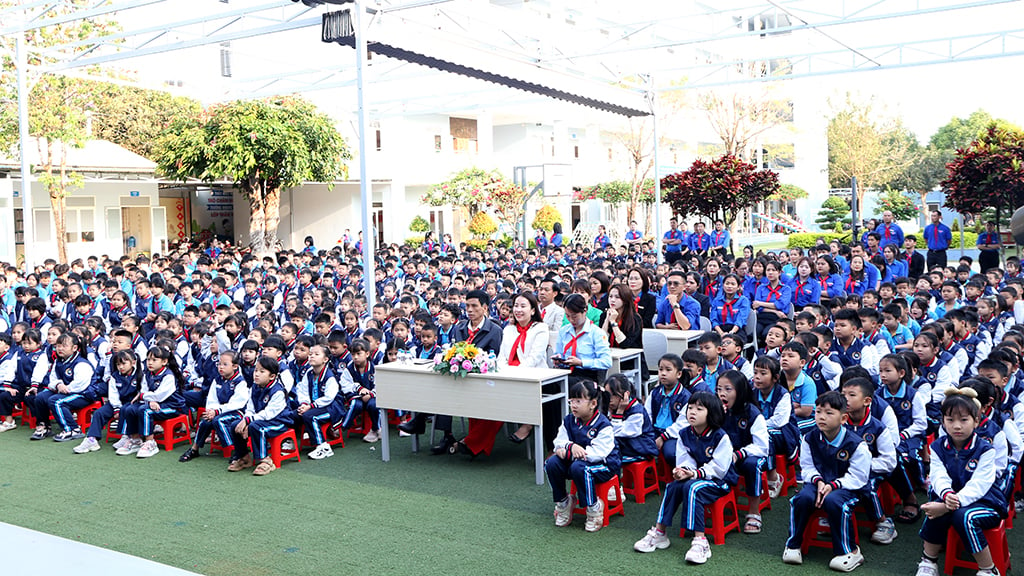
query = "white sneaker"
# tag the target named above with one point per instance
(158, 429)
(847, 562)
(148, 448)
(653, 540)
(322, 451)
(88, 445)
(371, 436)
(595, 517)
(885, 532)
(699, 552)
(927, 568)
(131, 447)
(993, 571)
(5, 426)
(795, 556)
(121, 442)
(563, 511)
(775, 488)
(287, 445)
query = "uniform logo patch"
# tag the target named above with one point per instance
(855, 356)
(932, 376)
(842, 455)
(869, 438)
(905, 405)
(592, 433)
(742, 424)
(972, 465)
(709, 451)
(677, 407)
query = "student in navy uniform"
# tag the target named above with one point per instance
(266, 416)
(319, 400)
(357, 384)
(703, 473)
(585, 454)
(13, 392)
(228, 395)
(70, 379)
(773, 400)
(897, 390)
(631, 424)
(964, 494)
(835, 464)
(748, 433)
(882, 445)
(123, 386)
(159, 398)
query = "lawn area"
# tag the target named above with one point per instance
(418, 514)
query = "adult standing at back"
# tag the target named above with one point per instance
(989, 245)
(890, 232)
(938, 237)
(633, 236)
(674, 242)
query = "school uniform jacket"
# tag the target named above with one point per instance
(596, 436)
(910, 409)
(634, 431)
(709, 454)
(879, 441)
(162, 389)
(747, 431)
(269, 404)
(8, 367)
(845, 462)
(75, 372)
(969, 472)
(665, 407)
(319, 388)
(125, 387)
(228, 394)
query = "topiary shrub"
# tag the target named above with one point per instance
(419, 224)
(482, 225)
(545, 218)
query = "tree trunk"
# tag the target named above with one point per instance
(57, 205)
(272, 209)
(257, 216)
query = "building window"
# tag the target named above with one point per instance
(80, 225)
(437, 142)
(378, 140)
(576, 151)
(464, 135)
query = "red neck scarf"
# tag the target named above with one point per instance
(518, 345)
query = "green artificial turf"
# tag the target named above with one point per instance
(418, 514)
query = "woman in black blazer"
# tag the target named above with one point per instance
(622, 324)
(646, 304)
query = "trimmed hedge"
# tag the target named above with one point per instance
(807, 240)
(414, 241)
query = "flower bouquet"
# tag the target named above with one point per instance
(463, 358)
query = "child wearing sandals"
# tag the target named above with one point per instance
(266, 416)
(704, 473)
(773, 400)
(834, 464)
(585, 453)
(631, 424)
(964, 493)
(748, 433)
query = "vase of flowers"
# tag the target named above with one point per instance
(463, 358)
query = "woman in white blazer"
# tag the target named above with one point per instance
(523, 343)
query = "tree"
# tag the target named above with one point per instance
(260, 145)
(924, 173)
(901, 206)
(787, 193)
(467, 189)
(865, 145)
(418, 224)
(134, 117)
(508, 202)
(545, 218)
(958, 133)
(834, 210)
(743, 114)
(718, 189)
(987, 174)
(482, 225)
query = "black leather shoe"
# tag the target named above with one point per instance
(412, 427)
(445, 446)
(189, 454)
(517, 440)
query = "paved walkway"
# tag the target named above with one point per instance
(26, 551)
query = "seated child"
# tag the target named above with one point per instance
(266, 416)
(773, 400)
(159, 398)
(964, 497)
(748, 433)
(631, 424)
(319, 401)
(585, 453)
(704, 473)
(668, 401)
(881, 443)
(227, 397)
(356, 382)
(910, 410)
(834, 464)
(122, 388)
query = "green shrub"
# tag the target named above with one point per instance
(414, 241)
(477, 243)
(808, 239)
(419, 224)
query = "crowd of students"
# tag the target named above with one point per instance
(866, 370)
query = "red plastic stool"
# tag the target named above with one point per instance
(169, 437)
(763, 503)
(601, 491)
(997, 545)
(217, 446)
(277, 453)
(19, 408)
(719, 525)
(788, 473)
(84, 415)
(640, 479)
(664, 472)
(362, 428)
(811, 532)
(27, 418)
(308, 440)
(888, 497)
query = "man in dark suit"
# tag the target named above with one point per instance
(477, 329)
(915, 261)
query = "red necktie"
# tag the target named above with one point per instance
(776, 292)
(519, 344)
(824, 283)
(727, 310)
(886, 231)
(800, 286)
(472, 335)
(935, 234)
(572, 344)
(849, 285)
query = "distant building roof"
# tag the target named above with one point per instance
(93, 156)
